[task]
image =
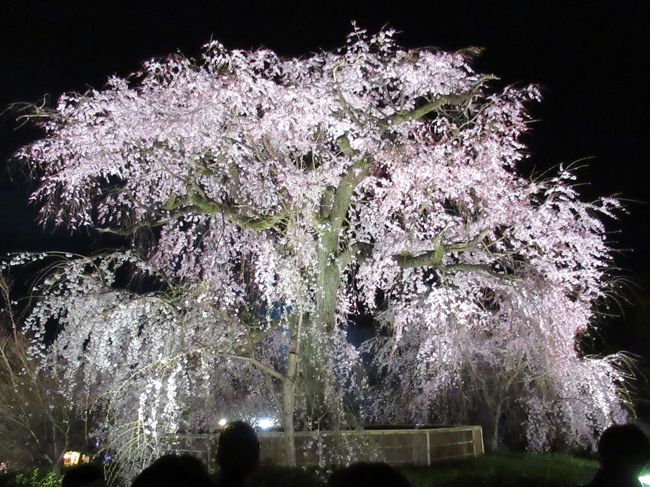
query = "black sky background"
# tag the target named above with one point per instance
(590, 58)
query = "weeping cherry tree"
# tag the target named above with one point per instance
(273, 200)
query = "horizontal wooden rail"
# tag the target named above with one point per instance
(396, 447)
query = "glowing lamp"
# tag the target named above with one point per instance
(645, 479)
(223, 422)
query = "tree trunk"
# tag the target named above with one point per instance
(329, 278)
(328, 283)
(493, 441)
(288, 404)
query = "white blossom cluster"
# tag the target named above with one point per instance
(148, 365)
(257, 177)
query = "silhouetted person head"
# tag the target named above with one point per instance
(86, 475)
(174, 471)
(238, 452)
(624, 448)
(623, 451)
(368, 475)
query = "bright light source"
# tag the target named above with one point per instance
(71, 458)
(645, 479)
(223, 422)
(265, 423)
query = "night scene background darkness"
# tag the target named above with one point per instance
(590, 58)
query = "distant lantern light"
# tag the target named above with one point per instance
(645, 480)
(223, 422)
(71, 458)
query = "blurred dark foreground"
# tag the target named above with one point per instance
(508, 470)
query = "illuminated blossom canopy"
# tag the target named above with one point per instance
(273, 200)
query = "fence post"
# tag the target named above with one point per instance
(428, 449)
(477, 441)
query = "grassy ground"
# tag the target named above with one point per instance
(507, 470)
(490, 471)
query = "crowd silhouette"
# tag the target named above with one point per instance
(86, 475)
(623, 451)
(174, 470)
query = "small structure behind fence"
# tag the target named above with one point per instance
(396, 447)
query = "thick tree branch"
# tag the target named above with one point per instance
(326, 202)
(472, 244)
(330, 194)
(407, 262)
(433, 258)
(460, 267)
(345, 257)
(125, 232)
(356, 173)
(435, 105)
(344, 144)
(197, 201)
(360, 250)
(258, 365)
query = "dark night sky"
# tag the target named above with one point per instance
(589, 57)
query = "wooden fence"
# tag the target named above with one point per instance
(396, 447)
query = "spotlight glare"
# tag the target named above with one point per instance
(265, 423)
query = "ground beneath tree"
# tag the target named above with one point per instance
(531, 470)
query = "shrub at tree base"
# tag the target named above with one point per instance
(31, 478)
(271, 201)
(37, 423)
